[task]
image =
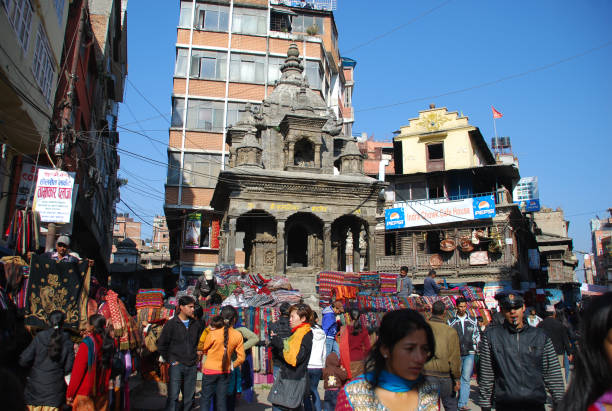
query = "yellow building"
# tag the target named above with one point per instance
(439, 140)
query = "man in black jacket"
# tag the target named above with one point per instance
(281, 328)
(556, 331)
(517, 362)
(177, 344)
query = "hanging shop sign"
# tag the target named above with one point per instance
(27, 179)
(421, 213)
(53, 196)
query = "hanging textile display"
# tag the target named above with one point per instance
(22, 232)
(54, 286)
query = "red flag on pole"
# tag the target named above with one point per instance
(496, 114)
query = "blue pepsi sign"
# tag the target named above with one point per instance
(530, 206)
(394, 218)
(484, 207)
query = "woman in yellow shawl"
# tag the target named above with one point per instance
(296, 349)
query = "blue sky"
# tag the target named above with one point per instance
(557, 117)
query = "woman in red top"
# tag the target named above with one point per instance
(88, 388)
(358, 341)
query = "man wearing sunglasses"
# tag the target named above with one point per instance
(518, 362)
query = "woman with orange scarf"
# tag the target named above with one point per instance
(295, 349)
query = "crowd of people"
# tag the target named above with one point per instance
(411, 361)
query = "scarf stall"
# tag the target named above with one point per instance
(375, 294)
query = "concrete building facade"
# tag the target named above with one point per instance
(31, 40)
(601, 236)
(449, 206)
(218, 72)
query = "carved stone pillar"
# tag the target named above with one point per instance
(372, 247)
(290, 157)
(317, 156)
(327, 246)
(280, 246)
(231, 242)
(355, 230)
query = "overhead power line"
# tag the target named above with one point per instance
(492, 82)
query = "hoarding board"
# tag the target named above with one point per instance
(527, 194)
(53, 196)
(421, 213)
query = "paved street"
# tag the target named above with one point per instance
(149, 395)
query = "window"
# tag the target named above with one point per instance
(280, 22)
(314, 74)
(185, 16)
(247, 68)
(180, 69)
(435, 151)
(211, 17)
(306, 24)
(303, 153)
(250, 22)
(347, 96)
(59, 9)
(205, 115)
(178, 110)
(410, 191)
(274, 66)
(42, 65)
(209, 65)
(19, 13)
(174, 165)
(435, 187)
(201, 170)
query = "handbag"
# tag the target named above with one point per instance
(288, 393)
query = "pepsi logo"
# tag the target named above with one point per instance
(483, 204)
(394, 216)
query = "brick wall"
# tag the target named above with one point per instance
(197, 196)
(245, 42)
(246, 91)
(207, 38)
(199, 256)
(172, 195)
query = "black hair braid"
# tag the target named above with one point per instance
(108, 344)
(54, 350)
(229, 315)
(355, 315)
(225, 362)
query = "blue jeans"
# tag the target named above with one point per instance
(331, 397)
(211, 385)
(467, 369)
(331, 345)
(313, 401)
(181, 376)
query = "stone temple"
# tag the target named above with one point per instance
(294, 196)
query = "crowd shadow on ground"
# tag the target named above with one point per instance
(151, 396)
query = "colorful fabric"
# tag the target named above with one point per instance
(359, 394)
(54, 286)
(152, 297)
(292, 344)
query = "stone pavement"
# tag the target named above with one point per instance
(149, 396)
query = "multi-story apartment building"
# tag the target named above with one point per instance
(84, 133)
(161, 236)
(31, 39)
(449, 206)
(219, 74)
(601, 235)
(125, 227)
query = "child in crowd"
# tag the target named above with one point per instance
(334, 377)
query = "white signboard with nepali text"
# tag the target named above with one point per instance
(53, 197)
